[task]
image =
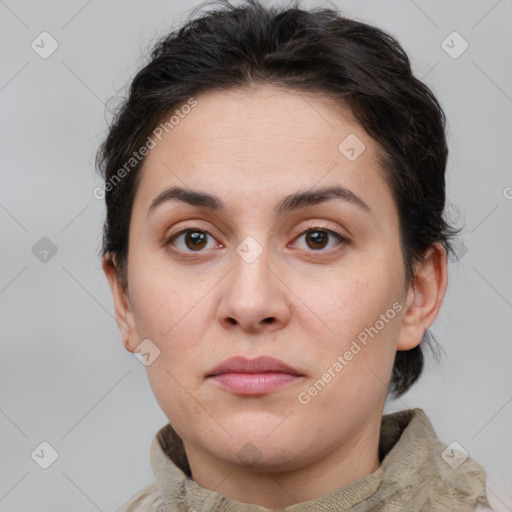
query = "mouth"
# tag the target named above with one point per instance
(262, 375)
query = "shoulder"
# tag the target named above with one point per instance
(146, 500)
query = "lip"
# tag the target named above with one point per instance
(258, 376)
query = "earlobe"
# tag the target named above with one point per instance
(424, 297)
(122, 304)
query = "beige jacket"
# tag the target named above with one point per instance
(418, 473)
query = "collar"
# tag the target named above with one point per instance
(416, 470)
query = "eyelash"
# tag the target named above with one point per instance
(343, 241)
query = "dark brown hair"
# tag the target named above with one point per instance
(317, 51)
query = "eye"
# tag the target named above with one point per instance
(194, 239)
(317, 238)
(190, 240)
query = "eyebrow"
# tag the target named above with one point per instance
(292, 202)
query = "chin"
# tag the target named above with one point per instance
(281, 451)
(265, 428)
(270, 458)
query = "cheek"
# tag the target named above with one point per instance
(347, 306)
(166, 300)
(170, 310)
(360, 320)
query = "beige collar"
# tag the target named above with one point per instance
(413, 473)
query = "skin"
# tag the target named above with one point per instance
(299, 301)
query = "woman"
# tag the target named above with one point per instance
(276, 249)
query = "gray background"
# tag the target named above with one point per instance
(65, 377)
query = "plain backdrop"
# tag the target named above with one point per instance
(65, 377)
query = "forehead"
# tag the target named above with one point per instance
(263, 141)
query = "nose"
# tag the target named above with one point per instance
(254, 297)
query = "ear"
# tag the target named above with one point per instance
(124, 314)
(424, 297)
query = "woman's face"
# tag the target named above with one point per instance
(274, 266)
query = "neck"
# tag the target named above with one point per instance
(353, 459)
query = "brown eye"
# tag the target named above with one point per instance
(190, 240)
(195, 240)
(318, 238)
